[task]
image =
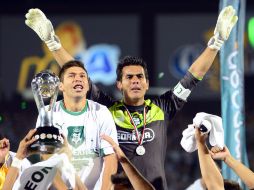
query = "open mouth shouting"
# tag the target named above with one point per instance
(78, 87)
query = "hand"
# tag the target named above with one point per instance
(226, 21)
(65, 149)
(218, 154)
(42, 26)
(4, 149)
(119, 153)
(201, 138)
(23, 151)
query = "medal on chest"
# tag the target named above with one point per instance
(140, 150)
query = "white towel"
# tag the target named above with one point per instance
(41, 174)
(188, 141)
(212, 123)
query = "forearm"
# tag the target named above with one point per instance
(79, 185)
(241, 170)
(62, 56)
(210, 172)
(11, 177)
(203, 63)
(58, 182)
(136, 179)
(110, 168)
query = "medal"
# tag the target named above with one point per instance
(140, 150)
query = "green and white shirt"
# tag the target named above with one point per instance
(82, 130)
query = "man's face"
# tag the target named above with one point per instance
(75, 83)
(133, 85)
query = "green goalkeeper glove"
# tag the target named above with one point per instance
(226, 21)
(42, 26)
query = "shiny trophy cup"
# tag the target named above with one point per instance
(45, 87)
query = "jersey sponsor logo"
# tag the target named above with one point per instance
(131, 138)
(75, 135)
(83, 158)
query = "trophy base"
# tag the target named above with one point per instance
(49, 140)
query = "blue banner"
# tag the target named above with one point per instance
(232, 89)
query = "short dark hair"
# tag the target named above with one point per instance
(129, 61)
(69, 64)
(231, 185)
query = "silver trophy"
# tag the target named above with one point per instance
(45, 86)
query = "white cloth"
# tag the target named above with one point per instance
(197, 185)
(188, 141)
(40, 175)
(82, 131)
(213, 124)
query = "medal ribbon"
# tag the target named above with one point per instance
(140, 140)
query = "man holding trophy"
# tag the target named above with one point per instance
(82, 122)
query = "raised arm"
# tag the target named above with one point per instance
(246, 175)
(210, 172)
(58, 183)
(62, 56)
(22, 153)
(110, 168)
(226, 21)
(136, 179)
(43, 27)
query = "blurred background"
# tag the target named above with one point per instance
(169, 35)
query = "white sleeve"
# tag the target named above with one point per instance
(24, 164)
(108, 127)
(197, 185)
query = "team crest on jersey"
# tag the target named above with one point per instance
(76, 135)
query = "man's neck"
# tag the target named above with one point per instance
(134, 103)
(135, 108)
(74, 105)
